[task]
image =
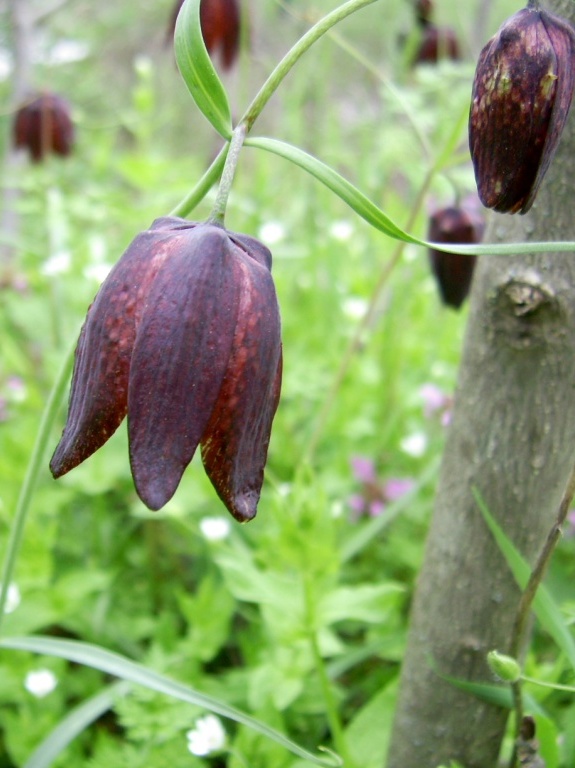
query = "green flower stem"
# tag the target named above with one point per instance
(237, 141)
(295, 53)
(197, 194)
(333, 719)
(524, 609)
(259, 102)
(32, 473)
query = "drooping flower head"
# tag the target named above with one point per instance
(43, 125)
(184, 338)
(453, 271)
(521, 97)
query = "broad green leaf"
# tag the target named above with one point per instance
(374, 216)
(73, 724)
(544, 607)
(548, 738)
(126, 669)
(363, 602)
(198, 71)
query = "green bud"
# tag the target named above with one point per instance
(504, 666)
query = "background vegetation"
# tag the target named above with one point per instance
(298, 618)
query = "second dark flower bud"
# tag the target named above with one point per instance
(521, 97)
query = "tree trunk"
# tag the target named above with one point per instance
(513, 438)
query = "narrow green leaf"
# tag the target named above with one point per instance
(198, 71)
(124, 668)
(73, 724)
(544, 607)
(499, 695)
(356, 200)
(374, 216)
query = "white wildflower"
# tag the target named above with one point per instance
(40, 682)
(215, 528)
(97, 272)
(341, 230)
(354, 307)
(271, 232)
(12, 598)
(414, 445)
(208, 736)
(57, 264)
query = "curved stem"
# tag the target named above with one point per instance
(261, 99)
(32, 472)
(295, 53)
(524, 608)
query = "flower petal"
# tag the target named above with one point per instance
(180, 357)
(99, 394)
(235, 443)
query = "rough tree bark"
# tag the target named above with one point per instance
(513, 438)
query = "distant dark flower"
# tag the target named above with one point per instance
(43, 125)
(437, 43)
(454, 271)
(220, 22)
(522, 93)
(184, 338)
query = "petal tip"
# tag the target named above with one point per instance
(244, 506)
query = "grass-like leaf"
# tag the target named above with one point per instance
(73, 724)
(356, 200)
(544, 607)
(373, 215)
(126, 669)
(499, 695)
(198, 71)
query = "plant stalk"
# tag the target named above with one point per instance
(261, 99)
(237, 141)
(32, 472)
(528, 595)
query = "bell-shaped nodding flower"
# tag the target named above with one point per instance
(454, 271)
(521, 97)
(184, 338)
(43, 125)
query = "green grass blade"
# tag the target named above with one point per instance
(124, 668)
(544, 607)
(73, 724)
(198, 71)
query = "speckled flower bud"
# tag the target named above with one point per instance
(521, 97)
